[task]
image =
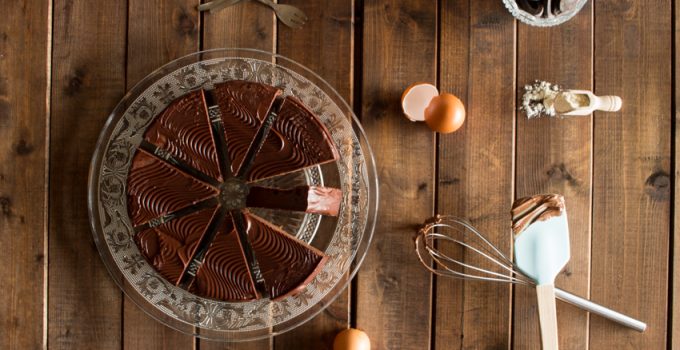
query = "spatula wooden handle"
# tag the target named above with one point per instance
(547, 315)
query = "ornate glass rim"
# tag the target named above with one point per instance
(526, 18)
(358, 243)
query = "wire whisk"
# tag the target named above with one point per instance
(445, 233)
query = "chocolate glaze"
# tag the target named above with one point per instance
(526, 211)
(298, 140)
(169, 246)
(243, 105)
(155, 188)
(183, 129)
(224, 274)
(310, 199)
(287, 264)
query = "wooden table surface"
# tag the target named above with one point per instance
(64, 64)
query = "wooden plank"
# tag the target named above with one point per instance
(631, 171)
(393, 293)
(332, 60)
(454, 63)
(160, 32)
(554, 156)
(674, 324)
(246, 25)
(88, 80)
(477, 64)
(25, 48)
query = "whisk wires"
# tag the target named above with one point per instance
(442, 231)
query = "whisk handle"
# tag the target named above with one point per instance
(600, 310)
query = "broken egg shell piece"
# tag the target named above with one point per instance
(416, 98)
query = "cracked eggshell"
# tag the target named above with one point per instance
(416, 98)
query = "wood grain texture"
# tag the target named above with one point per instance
(246, 25)
(160, 31)
(554, 156)
(674, 325)
(88, 80)
(332, 60)
(24, 116)
(475, 168)
(454, 48)
(399, 48)
(64, 64)
(631, 171)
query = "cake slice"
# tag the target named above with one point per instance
(309, 199)
(183, 130)
(155, 188)
(224, 273)
(297, 140)
(243, 106)
(287, 265)
(169, 246)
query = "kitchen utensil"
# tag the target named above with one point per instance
(590, 103)
(217, 5)
(544, 99)
(289, 15)
(442, 235)
(541, 251)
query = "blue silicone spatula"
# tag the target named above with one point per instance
(541, 235)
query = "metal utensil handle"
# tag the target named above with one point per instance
(217, 5)
(600, 310)
(268, 3)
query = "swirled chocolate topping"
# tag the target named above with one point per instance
(155, 188)
(224, 274)
(178, 195)
(243, 105)
(298, 140)
(528, 210)
(287, 264)
(310, 199)
(168, 247)
(183, 130)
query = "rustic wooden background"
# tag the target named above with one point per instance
(64, 64)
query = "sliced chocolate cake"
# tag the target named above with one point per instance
(287, 264)
(189, 186)
(156, 188)
(243, 105)
(224, 273)
(310, 199)
(169, 246)
(296, 141)
(183, 130)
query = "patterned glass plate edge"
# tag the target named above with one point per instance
(107, 191)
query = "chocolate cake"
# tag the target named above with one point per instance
(293, 143)
(243, 106)
(170, 245)
(287, 264)
(225, 274)
(184, 132)
(189, 188)
(310, 199)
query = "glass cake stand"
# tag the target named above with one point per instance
(547, 21)
(344, 239)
